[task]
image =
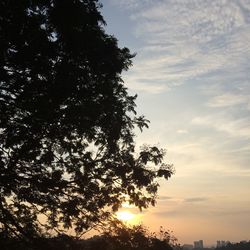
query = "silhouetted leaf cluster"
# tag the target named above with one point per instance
(67, 152)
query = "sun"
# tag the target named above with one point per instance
(125, 216)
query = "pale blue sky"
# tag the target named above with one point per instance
(191, 74)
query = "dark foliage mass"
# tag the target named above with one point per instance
(67, 153)
(120, 237)
(117, 237)
(236, 246)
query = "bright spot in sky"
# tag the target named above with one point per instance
(124, 216)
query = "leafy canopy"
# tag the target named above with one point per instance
(67, 155)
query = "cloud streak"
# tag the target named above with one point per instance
(229, 100)
(196, 199)
(234, 128)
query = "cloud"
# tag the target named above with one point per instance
(130, 4)
(229, 99)
(201, 206)
(230, 212)
(199, 20)
(180, 207)
(196, 199)
(182, 131)
(138, 82)
(238, 128)
(183, 41)
(164, 197)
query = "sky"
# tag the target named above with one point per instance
(192, 77)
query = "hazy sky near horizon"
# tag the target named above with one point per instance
(192, 77)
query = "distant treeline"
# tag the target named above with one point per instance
(236, 246)
(122, 238)
(67, 243)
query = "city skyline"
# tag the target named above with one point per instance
(191, 74)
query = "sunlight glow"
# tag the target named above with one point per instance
(127, 205)
(124, 216)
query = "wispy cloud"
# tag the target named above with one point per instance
(234, 128)
(184, 40)
(229, 99)
(182, 131)
(196, 199)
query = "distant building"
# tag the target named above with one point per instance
(187, 247)
(198, 244)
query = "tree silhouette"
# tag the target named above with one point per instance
(116, 237)
(67, 152)
(121, 237)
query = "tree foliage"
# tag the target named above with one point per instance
(67, 151)
(116, 237)
(121, 237)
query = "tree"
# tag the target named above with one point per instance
(121, 237)
(116, 237)
(67, 151)
(243, 245)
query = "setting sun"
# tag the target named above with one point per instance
(125, 216)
